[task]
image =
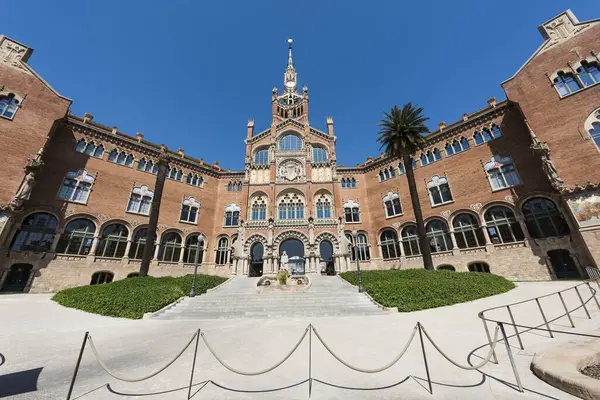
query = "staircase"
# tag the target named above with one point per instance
(238, 298)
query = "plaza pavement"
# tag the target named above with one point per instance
(36, 333)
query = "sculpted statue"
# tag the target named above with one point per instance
(25, 190)
(285, 261)
(550, 170)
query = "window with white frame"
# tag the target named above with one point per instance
(467, 231)
(261, 157)
(170, 247)
(89, 148)
(234, 186)
(194, 179)
(391, 202)
(140, 200)
(390, 248)
(319, 155)
(439, 190)
(323, 205)
(259, 208)
(589, 73)
(189, 210)
(348, 183)
(352, 211)
(430, 156)
(290, 142)
(77, 237)
(147, 166)
(232, 215)
(222, 249)
(113, 241)
(410, 241)
(387, 173)
(457, 146)
(76, 187)
(502, 225)
(174, 173)
(291, 206)
(566, 83)
(501, 172)
(486, 134)
(121, 157)
(8, 106)
(438, 236)
(360, 246)
(592, 126)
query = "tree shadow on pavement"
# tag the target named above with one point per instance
(19, 382)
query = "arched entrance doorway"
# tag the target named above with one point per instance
(294, 249)
(256, 259)
(17, 278)
(563, 264)
(326, 252)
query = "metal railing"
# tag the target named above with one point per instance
(418, 328)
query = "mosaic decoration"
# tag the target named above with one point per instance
(586, 208)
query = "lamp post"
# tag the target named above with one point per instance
(360, 284)
(196, 259)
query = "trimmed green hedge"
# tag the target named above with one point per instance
(132, 297)
(419, 289)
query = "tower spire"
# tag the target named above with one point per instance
(290, 81)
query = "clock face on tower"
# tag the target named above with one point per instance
(290, 84)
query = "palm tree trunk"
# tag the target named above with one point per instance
(154, 211)
(416, 204)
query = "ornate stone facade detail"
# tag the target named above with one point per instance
(446, 214)
(13, 53)
(476, 207)
(103, 217)
(561, 28)
(510, 199)
(290, 170)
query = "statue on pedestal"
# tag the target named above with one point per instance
(284, 264)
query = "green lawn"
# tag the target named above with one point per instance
(419, 289)
(132, 297)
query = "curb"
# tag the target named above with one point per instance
(388, 309)
(220, 284)
(149, 315)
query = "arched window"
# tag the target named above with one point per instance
(353, 183)
(121, 158)
(439, 190)
(381, 176)
(261, 157)
(437, 235)
(589, 73)
(222, 249)
(343, 183)
(77, 238)
(467, 231)
(566, 84)
(543, 218)
(191, 248)
(401, 169)
(291, 206)
(592, 126)
(194, 179)
(389, 244)
(410, 241)
(477, 138)
(8, 106)
(113, 241)
(189, 210)
(232, 215)
(137, 245)
(259, 208)
(392, 205)
(352, 211)
(101, 277)
(99, 152)
(148, 166)
(140, 200)
(319, 155)
(175, 174)
(501, 173)
(496, 132)
(502, 226)
(36, 233)
(80, 146)
(457, 146)
(479, 267)
(446, 267)
(290, 142)
(170, 247)
(76, 187)
(323, 205)
(133, 275)
(360, 246)
(234, 186)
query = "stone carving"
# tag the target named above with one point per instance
(476, 207)
(510, 199)
(290, 170)
(446, 214)
(12, 53)
(24, 191)
(547, 164)
(103, 217)
(285, 261)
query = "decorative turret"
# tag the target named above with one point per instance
(290, 104)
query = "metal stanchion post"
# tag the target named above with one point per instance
(582, 302)
(510, 357)
(512, 320)
(425, 358)
(487, 333)
(85, 338)
(309, 360)
(593, 292)
(566, 309)
(193, 365)
(544, 317)
(196, 258)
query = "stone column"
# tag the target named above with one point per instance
(245, 266)
(489, 246)
(521, 221)
(127, 250)
(156, 250)
(181, 253)
(55, 241)
(455, 249)
(94, 247)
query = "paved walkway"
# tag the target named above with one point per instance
(38, 336)
(240, 298)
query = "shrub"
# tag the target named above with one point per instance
(132, 297)
(419, 289)
(282, 276)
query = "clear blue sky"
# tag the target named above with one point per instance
(190, 73)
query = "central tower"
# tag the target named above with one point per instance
(290, 104)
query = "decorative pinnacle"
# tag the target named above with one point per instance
(290, 60)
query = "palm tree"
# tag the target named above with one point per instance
(401, 136)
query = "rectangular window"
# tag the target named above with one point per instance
(503, 177)
(510, 175)
(145, 205)
(496, 179)
(397, 206)
(134, 203)
(82, 192)
(352, 214)
(440, 194)
(75, 191)
(67, 189)
(263, 213)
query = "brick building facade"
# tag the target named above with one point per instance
(510, 189)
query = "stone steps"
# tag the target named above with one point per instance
(239, 298)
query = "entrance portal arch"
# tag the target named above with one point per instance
(18, 276)
(257, 253)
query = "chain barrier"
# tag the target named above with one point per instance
(364, 370)
(471, 367)
(143, 378)
(264, 371)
